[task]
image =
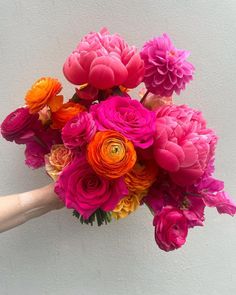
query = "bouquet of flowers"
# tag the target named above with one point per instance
(109, 153)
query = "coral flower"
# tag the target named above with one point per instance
(103, 61)
(111, 154)
(65, 113)
(44, 92)
(58, 158)
(184, 145)
(128, 204)
(141, 176)
(166, 68)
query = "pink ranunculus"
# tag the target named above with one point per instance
(183, 145)
(103, 60)
(127, 116)
(34, 155)
(82, 189)
(79, 131)
(171, 228)
(19, 126)
(166, 68)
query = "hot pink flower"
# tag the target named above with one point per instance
(19, 126)
(166, 193)
(127, 116)
(213, 194)
(47, 136)
(166, 68)
(82, 189)
(79, 130)
(104, 61)
(34, 155)
(171, 228)
(183, 145)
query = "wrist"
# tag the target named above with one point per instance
(40, 198)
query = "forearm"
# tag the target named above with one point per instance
(19, 208)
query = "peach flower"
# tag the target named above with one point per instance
(65, 113)
(44, 92)
(58, 158)
(111, 154)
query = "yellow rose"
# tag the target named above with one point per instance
(128, 204)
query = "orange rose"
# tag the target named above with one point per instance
(44, 92)
(58, 158)
(111, 154)
(142, 176)
(65, 113)
(128, 204)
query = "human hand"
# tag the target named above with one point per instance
(19, 208)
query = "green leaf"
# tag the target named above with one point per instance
(99, 216)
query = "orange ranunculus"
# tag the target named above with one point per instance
(44, 92)
(111, 154)
(65, 113)
(142, 176)
(58, 158)
(128, 204)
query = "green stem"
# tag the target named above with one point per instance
(144, 97)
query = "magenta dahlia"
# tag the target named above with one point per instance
(166, 68)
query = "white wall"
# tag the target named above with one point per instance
(55, 254)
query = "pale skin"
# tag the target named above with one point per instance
(18, 208)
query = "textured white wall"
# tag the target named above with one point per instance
(55, 254)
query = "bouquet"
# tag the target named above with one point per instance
(109, 153)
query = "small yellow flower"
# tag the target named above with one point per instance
(128, 204)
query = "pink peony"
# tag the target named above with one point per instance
(171, 228)
(82, 189)
(104, 61)
(79, 131)
(34, 155)
(166, 68)
(19, 126)
(183, 145)
(127, 116)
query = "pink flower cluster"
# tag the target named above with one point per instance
(114, 153)
(25, 128)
